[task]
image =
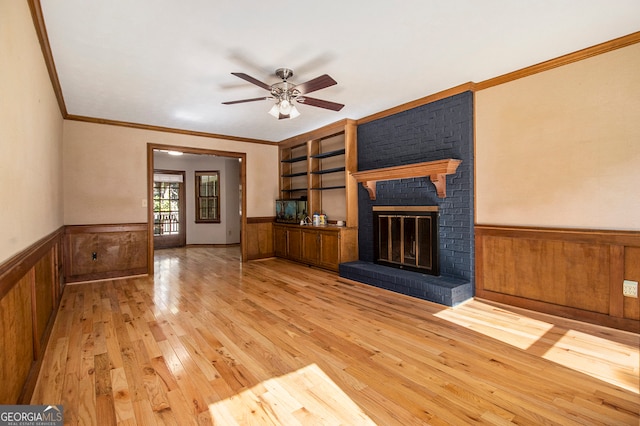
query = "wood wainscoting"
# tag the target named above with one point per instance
(96, 252)
(260, 237)
(571, 273)
(30, 291)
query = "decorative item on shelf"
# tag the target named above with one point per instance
(319, 219)
(291, 211)
(305, 221)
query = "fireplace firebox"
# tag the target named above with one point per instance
(406, 237)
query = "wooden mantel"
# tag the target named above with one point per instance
(435, 170)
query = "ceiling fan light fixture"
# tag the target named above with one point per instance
(275, 111)
(285, 106)
(284, 109)
(285, 94)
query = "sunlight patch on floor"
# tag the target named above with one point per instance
(506, 328)
(586, 353)
(305, 396)
(592, 360)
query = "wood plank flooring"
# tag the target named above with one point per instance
(210, 340)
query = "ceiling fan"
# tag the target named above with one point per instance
(286, 93)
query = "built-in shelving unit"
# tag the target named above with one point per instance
(294, 172)
(328, 170)
(318, 166)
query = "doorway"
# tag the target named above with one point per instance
(169, 228)
(241, 202)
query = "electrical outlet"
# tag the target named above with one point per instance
(630, 288)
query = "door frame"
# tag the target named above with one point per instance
(191, 150)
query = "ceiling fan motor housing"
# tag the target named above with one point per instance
(284, 73)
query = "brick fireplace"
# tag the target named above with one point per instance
(439, 130)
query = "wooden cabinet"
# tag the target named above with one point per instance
(325, 247)
(287, 241)
(330, 250)
(311, 246)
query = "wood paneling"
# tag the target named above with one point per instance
(631, 306)
(120, 250)
(30, 288)
(574, 273)
(260, 238)
(18, 266)
(44, 293)
(16, 339)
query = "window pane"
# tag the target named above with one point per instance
(207, 189)
(166, 208)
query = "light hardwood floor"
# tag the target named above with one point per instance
(210, 340)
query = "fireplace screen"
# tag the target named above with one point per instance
(407, 239)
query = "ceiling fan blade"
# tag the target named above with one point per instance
(252, 80)
(316, 84)
(247, 100)
(320, 103)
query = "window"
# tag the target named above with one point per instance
(208, 197)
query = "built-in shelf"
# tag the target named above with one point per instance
(329, 154)
(325, 171)
(326, 188)
(294, 174)
(294, 159)
(437, 172)
(295, 190)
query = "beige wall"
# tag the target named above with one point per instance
(30, 136)
(562, 148)
(105, 171)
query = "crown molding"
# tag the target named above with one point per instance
(466, 87)
(43, 38)
(570, 58)
(165, 129)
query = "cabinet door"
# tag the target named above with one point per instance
(330, 250)
(280, 241)
(294, 243)
(310, 246)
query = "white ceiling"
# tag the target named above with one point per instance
(168, 62)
